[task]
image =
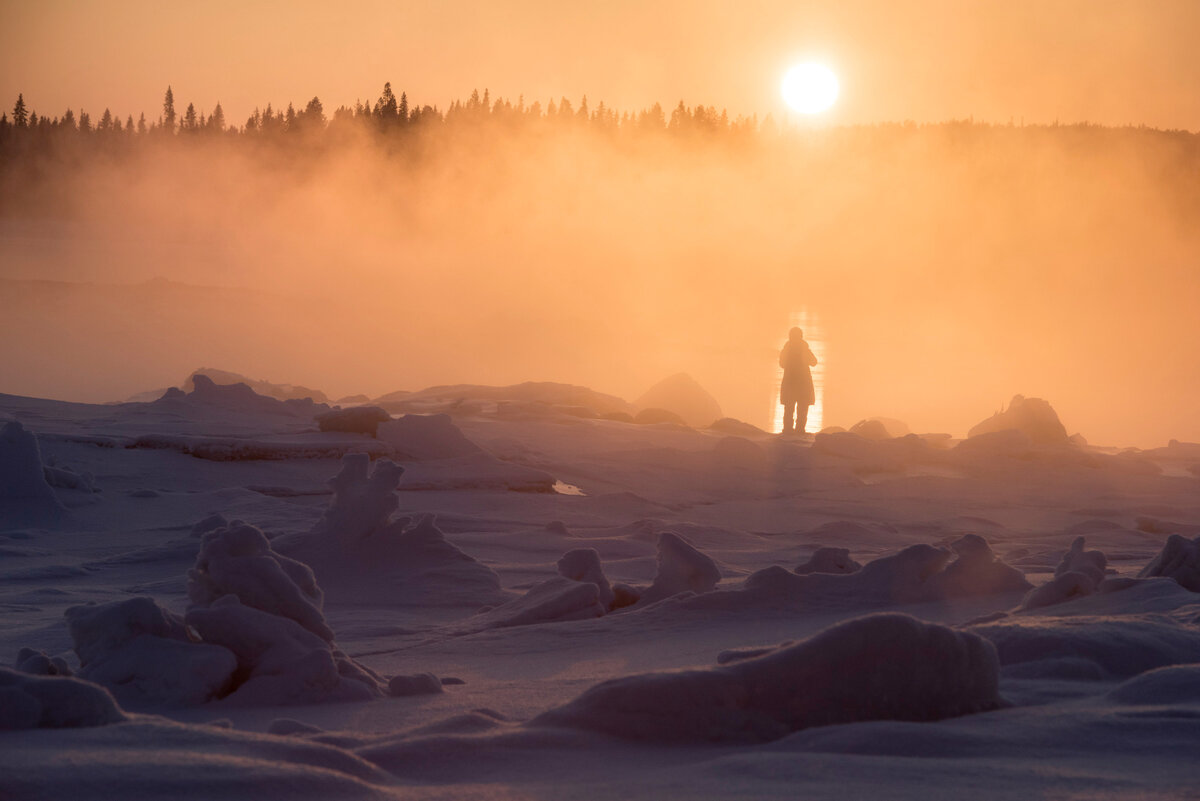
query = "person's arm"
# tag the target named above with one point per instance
(812, 357)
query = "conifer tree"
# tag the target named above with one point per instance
(142, 123)
(168, 118)
(20, 115)
(217, 121)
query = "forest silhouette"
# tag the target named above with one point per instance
(948, 265)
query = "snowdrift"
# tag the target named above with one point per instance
(881, 667)
(53, 702)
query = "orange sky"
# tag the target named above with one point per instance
(1107, 61)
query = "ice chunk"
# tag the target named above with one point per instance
(829, 560)
(281, 661)
(1077, 560)
(363, 503)
(583, 564)
(1032, 416)
(146, 656)
(53, 702)
(881, 667)
(1179, 559)
(39, 663)
(22, 474)
(681, 568)
(1177, 684)
(238, 560)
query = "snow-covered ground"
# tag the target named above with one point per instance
(525, 599)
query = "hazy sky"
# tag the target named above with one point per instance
(1108, 61)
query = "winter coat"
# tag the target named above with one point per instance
(797, 386)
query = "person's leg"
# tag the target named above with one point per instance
(802, 418)
(789, 412)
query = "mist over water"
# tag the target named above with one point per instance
(950, 266)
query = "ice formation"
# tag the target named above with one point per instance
(207, 393)
(880, 667)
(681, 568)
(146, 655)
(278, 660)
(53, 702)
(1179, 559)
(358, 539)
(829, 560)
(416, 684)
(1078, 574)
(238, 559)
(39, 663)
(1032, 416)
(583, 564)
(356, 419)
(1176, 684)
(22, 475)
(683, 396)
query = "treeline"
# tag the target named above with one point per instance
(388, 117)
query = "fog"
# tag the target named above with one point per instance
(950, 267)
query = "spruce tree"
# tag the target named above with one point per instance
(20, 114)
(168, 120)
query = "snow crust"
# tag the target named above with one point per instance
(53, 702)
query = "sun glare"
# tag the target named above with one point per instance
(810, 88)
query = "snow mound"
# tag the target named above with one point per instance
(1178, 684)
(1078, 574)
(880, 428)
(583, 564)
(681, 568)
(39, 663)
(1179, 560)
(1119, 647)
(1077, 560)
(238, 560)
(146, 656)
(279, 661)
(915, 574)
(66, 478)
(550, 601)
(1032, 416)
(362, 555)
(419, 437)
(829, 560)
(22, 476)
(416, 684)
(355, 420)
(880, 667)
(53, 702)
(685, 397)
(653, 415)
(882, 455)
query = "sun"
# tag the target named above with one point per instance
(810, 88)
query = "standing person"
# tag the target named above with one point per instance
(796, 391)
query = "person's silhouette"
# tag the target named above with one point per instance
(796, 391)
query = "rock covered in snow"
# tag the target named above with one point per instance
(238, 560)
(1179, 559)
(829, 560)
(583, 564)
(355, 420)
(53, 702)
(146, 655)
(683, 396)
(881, 667)
(681, 568)
(1032, 416)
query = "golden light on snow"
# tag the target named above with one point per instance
(815, 336)
(810, 88)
